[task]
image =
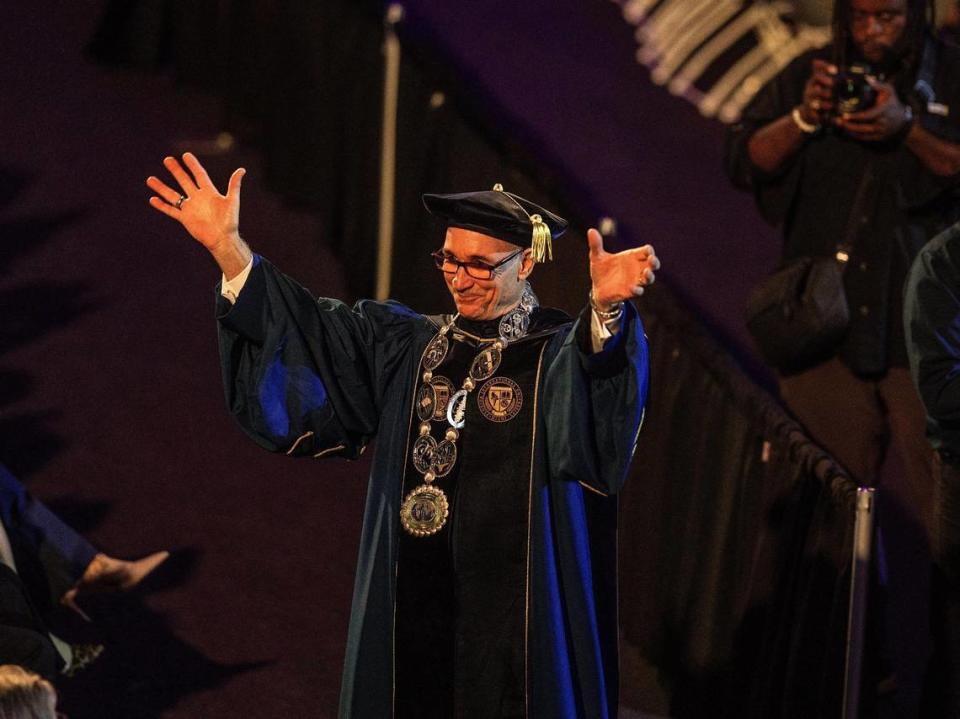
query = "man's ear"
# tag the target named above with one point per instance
(526, 265)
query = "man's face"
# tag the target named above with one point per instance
(877, 26)
(485, 299)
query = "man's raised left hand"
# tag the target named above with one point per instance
(618, 276)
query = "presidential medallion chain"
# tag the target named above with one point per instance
(425, 509)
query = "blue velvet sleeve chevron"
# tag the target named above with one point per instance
(303, 375)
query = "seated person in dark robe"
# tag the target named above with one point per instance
(486, 579)
(43, 564)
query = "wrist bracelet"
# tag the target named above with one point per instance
(606, 315)
(805, 127)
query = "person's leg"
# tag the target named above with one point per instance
(842, 413)
(52, 558)
(29, 649)
(908, 424)
(23, 635)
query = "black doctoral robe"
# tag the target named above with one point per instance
(316, 378)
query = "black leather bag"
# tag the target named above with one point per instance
(799, 314)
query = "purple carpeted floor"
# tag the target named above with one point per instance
(110, 399)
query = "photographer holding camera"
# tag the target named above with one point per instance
(853, 149)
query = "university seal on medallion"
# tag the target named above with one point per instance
(485, 364)
(424, 511)
(426, 401)
(500, 399)
(436, 352)
(444, 457)
(443, 389)
(423, 450)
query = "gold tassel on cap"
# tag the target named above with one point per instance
(542, 241)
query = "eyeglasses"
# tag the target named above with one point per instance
(477, 270)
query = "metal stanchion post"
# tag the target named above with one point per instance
(388, 149)
(859, 586)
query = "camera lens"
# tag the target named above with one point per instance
(852, 92)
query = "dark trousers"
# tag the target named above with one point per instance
(857, 420)
(50, 557)
(23, 635)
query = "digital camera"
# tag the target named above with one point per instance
(851, 91)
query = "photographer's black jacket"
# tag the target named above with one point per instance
(878, 195)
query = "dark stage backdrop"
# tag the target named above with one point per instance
(735, 546)
(732, 557)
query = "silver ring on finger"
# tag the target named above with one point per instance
(180, 200)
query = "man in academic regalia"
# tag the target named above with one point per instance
(485, 584)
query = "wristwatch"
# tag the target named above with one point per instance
(907, 115)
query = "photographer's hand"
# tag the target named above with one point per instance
(888, 117)
(885, 119)
(818, 93)
(773, 144)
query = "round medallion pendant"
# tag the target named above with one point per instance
(457, 409)
(424, 511)
(485, 364)
(514, 324)
(443, 390)
(426, 401)
(500, 399)
(423, 451)
(444, 457)
(436, 352)
(528, 299)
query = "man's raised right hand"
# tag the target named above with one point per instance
(212, 219)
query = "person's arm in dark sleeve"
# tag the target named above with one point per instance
(763, 148)
(934, 137)
(766, 137)
(302, 375)
(936, 154)
(594, 403)
(932, 326)
(50, 555)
